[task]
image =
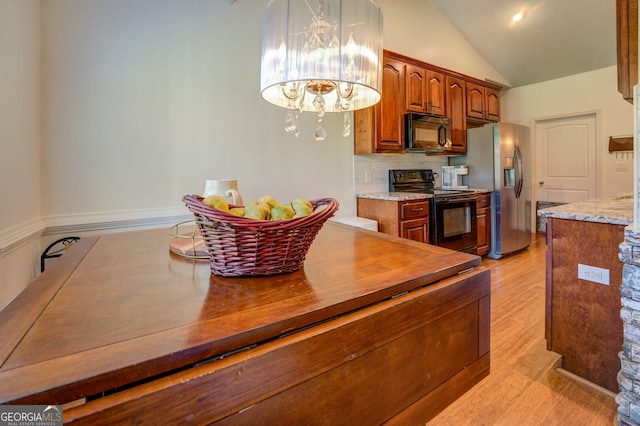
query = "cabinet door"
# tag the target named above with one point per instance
(415, 89)
(456, 111)
(417, 230)
(435, 93)
(483, 224)
(627, 46)
(475, 101)
(492, 101)
(389, 111)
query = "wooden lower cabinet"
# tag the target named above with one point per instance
(483, 213)
(406, 219)
(417, 230)
(583, 321)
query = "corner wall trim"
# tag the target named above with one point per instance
(15, 236)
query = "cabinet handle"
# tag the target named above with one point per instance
(418, 210)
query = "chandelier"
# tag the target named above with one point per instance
(322, 56)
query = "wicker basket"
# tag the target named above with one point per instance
(240, 246)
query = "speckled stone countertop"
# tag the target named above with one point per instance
(614, 210)
(395, 196)
(406, 196)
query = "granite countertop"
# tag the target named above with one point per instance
(407, 196)
(395, 196)
(613, 210)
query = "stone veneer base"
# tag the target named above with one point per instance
(629, 376)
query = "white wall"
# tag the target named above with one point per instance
(591, 91)
(20, 216)
(145, 100)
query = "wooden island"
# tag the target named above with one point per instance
(373, 329)
(584, 274)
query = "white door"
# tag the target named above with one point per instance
(567, 158)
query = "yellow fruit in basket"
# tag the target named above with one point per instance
(257, 210)
(217, 202)
(303, 210)
(238, 211)
(301, 202)
(269, 200)
(282, 212)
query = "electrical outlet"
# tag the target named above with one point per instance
(367, 176)
(591, 273)
(621, 166)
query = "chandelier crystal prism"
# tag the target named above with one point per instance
(321, 56)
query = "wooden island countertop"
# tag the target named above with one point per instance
(120, 328)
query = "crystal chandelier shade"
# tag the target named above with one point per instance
(321, 56)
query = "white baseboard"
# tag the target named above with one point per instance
(15, 236)
(91, 223)
(111, 221)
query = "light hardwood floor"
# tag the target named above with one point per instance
(524, 387)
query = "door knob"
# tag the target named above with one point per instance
(541, 182)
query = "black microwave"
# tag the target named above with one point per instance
(426, 133)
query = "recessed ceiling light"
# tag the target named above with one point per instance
(518, 16)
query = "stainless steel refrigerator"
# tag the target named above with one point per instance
(499, 158)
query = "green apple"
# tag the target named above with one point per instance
(257, 210)
(302, 207)
(269, 200)
(303, 210)
(281, 212)
(301, 202)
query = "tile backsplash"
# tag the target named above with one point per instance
(371, 171)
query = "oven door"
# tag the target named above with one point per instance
(454, 224)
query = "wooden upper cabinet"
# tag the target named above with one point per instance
(475, 101)
(456, 110)
(380, 128)
(492, 104)
(390, 109)
(435, 90)
(483, 102)
(424, 91)
(627, 46)
(410, 86)
(415, 91)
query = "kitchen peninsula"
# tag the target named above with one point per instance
(583, 280)
(120, 330)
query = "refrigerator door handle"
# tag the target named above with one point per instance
(519, 178)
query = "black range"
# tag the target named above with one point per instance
(452, 218)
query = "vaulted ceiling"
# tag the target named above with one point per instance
(556, 38)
